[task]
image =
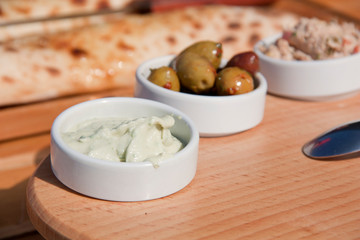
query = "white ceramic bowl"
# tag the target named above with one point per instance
(318, 80)
(213, 115)
(120, 181)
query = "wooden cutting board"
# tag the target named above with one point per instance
(252, 185)
(24, 135)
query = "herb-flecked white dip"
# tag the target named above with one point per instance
(125, 140)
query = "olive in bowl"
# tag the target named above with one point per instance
(248, 61)
(195, 72)
(233, 81)
(165, 77)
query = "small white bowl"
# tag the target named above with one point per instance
(121, 181)
(318, 80)
(213, 116)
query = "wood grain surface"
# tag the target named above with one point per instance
(252, 185)
(346, 8)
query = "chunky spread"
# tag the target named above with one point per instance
(125, 140)
(314, 39)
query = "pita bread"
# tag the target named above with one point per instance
(16, 10)
(12, 32)
(106, 55)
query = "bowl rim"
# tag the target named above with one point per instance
(83, 158)
(271, 39)
(259, 78)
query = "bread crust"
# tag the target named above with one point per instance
(105, 55)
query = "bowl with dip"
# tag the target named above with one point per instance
(214, 116)
(313, 61)
(124, 149)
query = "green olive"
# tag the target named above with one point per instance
(208, 49)
(233, 81)
(195, 72)
(165, 77)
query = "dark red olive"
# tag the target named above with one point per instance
(248, 61)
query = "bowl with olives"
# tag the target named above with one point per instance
(221, 97)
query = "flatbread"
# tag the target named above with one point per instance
(12, 32)
(17, 10)
(45, 12)
(105, 56)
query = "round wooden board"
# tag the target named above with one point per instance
(252, 185)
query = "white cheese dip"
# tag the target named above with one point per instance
(125, 140)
